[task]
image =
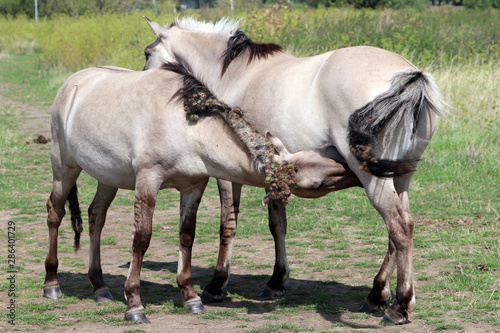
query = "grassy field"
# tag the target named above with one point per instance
(335, 244)
(437, 37)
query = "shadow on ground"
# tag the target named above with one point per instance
(329, 299)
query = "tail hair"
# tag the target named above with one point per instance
(76, 218)
(411, 93)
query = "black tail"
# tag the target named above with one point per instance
(76, 218)
(411, 94)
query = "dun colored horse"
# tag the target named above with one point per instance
(128, 130)
(363, 106)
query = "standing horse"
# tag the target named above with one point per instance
(364, 106)
(126, 130)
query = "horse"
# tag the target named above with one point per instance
(363, 106)
(128, 130)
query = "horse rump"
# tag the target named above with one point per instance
(373, 128)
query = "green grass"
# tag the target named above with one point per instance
(271, 328)
(226, 315)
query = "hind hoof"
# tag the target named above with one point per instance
(369, 307)
(136, 316)
(195, 307)
(207, 297)
(52, 292)
(103, 295)
(269, 293)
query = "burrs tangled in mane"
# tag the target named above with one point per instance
(199, 102)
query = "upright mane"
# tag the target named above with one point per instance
(200, 102)
(237, 42)
(225, 26)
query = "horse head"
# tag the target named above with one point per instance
(314, 174)
(157, 52)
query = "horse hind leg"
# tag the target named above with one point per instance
(392, 204)
(379, 297)
(55, 212)
(97, 217)
(230, 200)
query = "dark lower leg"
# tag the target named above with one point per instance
(97, 219)
(277, 225)
(229, 198)
(54, 218)
(189, 207)
(143, 216)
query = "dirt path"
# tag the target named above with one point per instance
(240, 312)
(35, 118)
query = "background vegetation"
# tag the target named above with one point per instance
(433, 37)
(454, 197)
(49, 8)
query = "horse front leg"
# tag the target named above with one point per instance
(277, 225)
(97, 217)
(190, 202)
(61, 188)
(145, 200)
(393, 205)
(229, 194)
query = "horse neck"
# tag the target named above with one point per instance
(241, 76)
(201, 54)
(279, 175)
(200, 103)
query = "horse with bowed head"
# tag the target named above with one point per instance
(127, 130)
(363, 106)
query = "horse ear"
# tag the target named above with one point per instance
(280, 148)
(157, 29)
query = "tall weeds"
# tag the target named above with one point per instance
(18, 36)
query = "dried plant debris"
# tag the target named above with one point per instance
(279, 178)
(40, 140)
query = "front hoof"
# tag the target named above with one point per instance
(393, 317)
(269, 293)
(103, 295)
(136, 316)
(387, 320)
(52, 292)
(207, 297)
(195, 307)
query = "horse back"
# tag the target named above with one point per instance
(104, 117)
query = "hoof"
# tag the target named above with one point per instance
(103, 295)
(195, 307)
(136, 316)
(369, 307)
(269, 293)
(387, 320)
(207, 297)
(52, 292)
(394, 316)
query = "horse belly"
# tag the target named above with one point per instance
(105, 164)
(101, 148)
